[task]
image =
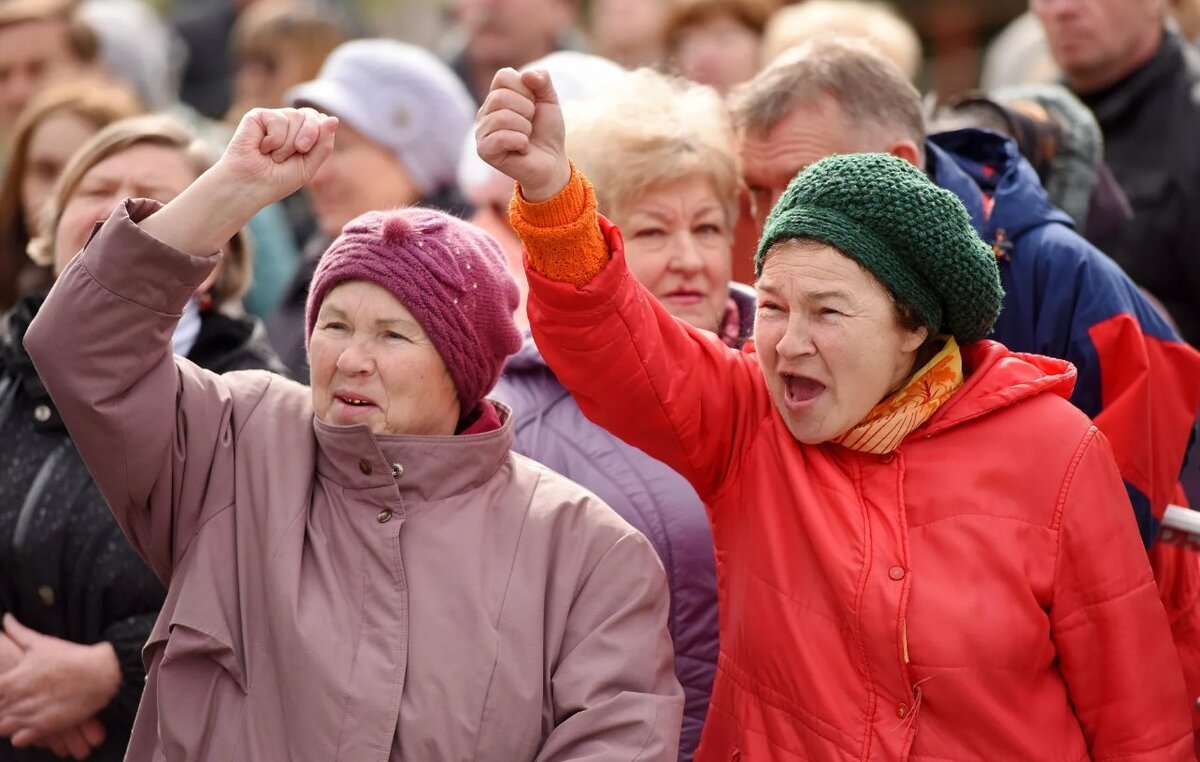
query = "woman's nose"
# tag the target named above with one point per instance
(355, 358)
(797, 339)
(685, 257)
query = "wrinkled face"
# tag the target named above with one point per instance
(828, 339)
(1097, 41)
(372, 363)
(141, 171)
(51, 145)
(718, 51)
(770, 159)
(677, 242)
(360, 176)
(32, 55)
(513, 32)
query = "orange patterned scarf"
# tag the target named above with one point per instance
(886, 426)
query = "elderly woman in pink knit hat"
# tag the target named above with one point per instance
(363, 570)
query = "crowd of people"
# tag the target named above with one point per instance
(624, 380)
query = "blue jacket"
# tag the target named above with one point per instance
(1064, 298)
(656, 500)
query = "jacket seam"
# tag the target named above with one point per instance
(1060, 504)
(649, 730)
(860, 591)
(1062, 623)
(1142, 753)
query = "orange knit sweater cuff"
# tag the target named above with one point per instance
(562, 235)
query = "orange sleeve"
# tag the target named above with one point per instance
(562, 235)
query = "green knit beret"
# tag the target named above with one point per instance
(913, 236)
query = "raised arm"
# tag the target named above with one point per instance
(671, 390)
(156, 433)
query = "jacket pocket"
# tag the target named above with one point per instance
(200, 691)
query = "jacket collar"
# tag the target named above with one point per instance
(429, 468)
(998, 378)
(1128, 94)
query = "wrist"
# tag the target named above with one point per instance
(105, 670)
(551, 188)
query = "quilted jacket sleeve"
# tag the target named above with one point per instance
(675, 392)
(155, 432)
(1110, 629)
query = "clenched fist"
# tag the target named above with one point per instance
(274, 152)
(519, 131)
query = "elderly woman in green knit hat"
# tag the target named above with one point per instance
(923, 549)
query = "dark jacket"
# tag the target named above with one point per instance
(657, 501)
(1138, 380)
(286, 325)
(1151, 125)
(65, 568)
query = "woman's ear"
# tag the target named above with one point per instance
(914, 339)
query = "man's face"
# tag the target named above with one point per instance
(33, 54)
(1097, 41)
(810, 132)
(513, 32)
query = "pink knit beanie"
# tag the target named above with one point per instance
(453, 278)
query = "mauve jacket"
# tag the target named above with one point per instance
(334, 595)
(659, 503)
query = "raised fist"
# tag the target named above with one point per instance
(519, 131)
(275, 152)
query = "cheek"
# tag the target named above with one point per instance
(647, 260)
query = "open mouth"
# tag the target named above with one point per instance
(351, 400)
(799, 391)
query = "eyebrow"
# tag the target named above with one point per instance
(815, 296)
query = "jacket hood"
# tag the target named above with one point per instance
(998, 378)
(971, 163)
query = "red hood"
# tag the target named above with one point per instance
(997, 378)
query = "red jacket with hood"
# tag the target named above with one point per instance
(981, 593)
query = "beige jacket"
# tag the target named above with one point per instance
(334, 595)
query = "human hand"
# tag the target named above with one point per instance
(75, 743)
(275, 152)
(519, 130)
(56, 686)
(10, 653)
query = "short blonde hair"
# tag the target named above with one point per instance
(152, 129)
(876, 22)
(649, 128)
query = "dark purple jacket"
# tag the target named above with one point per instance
(656, 500)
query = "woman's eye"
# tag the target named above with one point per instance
(334, 326)
(830, 311)
(769, 307)
(650, 233)
(395, 336)
(709, 229)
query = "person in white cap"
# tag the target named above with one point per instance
(404, 116)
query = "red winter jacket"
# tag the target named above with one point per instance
(982, 593)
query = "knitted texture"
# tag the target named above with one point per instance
(562, 234)
(453, 278)
(913, 236)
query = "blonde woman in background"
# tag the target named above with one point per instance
(660, 152)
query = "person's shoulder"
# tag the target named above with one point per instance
(567, 508)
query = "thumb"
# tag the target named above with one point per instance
(20, 634)
(538, 80)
